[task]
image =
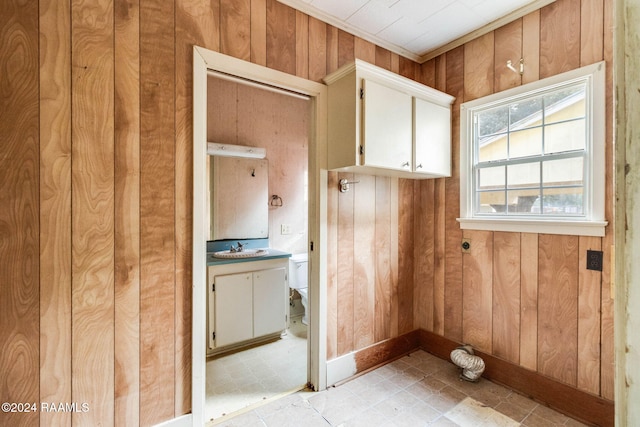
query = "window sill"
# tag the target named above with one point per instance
(522, 225)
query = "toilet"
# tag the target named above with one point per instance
(299, 280)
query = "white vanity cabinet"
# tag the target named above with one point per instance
(385, 124)
(247, 302)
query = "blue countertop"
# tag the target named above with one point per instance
(215, 246)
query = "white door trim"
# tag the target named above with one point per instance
(205, 60)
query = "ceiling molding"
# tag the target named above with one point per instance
(331, 20)
(516, 14)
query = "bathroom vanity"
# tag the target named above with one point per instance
(247, 299)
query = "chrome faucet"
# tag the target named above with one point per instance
(240, 247)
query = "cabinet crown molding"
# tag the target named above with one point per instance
(412, 87)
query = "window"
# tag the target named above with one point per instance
(532, 157)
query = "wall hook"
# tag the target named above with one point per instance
(276, 201)
(520, 69)
(344, 184)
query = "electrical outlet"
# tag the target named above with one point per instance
(285, 228)
(594, 260)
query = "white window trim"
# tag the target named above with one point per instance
(594, 223)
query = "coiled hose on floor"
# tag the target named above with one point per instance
(472, 366)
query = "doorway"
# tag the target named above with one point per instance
(206, 62)
(278, 122)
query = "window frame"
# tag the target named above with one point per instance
(592, 223)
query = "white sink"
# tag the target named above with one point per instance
(246, 253)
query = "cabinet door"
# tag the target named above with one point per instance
(269, 291)
(432, 138)
(233, 308)
(387, 127)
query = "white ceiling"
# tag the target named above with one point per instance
(415, 28)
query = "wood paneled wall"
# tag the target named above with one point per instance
(96, 199)
(96, 195)
(525, 298)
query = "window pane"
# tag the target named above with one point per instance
(525, 143)
(565, 104)
(523, 175)
(492, 147)
(525, 114)
(491, 178)
(493, 121)
(564, 136)
(523, 201)
(491, 202)
(563, 201)
(563, 172)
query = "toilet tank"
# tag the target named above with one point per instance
(298, 271)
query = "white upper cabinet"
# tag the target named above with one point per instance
(386, 127)
(384, 124)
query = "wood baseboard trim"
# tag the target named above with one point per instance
(563, 398)
(385, 351)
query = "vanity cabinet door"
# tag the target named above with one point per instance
(387, 127)
(432, 138)
(269, 301)
(233, 308)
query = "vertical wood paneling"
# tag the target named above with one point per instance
(196, 24)
(529, 301)
(19, 198)
(346, 246)
(405, 255)
(302, 45)
(508, 47)
(558, 307)
(559, 37)
(332, 265)
(394, 264)
(317, 45)
(346, 47)
(591, 31)
(479, 67)
(423, 255)
(506, 296)
(589, 289)
(157, 210)
(235, 28)
(531, 46)
(364, 50)
(383, 58)
(127, 213)
(281, 37)
(333, 54)
(55, 209)
(383, 284)
(259, 32)
(477, 277)
(92, 35)
(364, 260)
(453, 236)
(439, 238)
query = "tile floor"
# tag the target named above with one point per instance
(241, 379)
(416, 390)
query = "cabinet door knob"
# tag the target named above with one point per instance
(419, 166)
(405, 164)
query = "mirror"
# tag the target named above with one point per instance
(239, 198)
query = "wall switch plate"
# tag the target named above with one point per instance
(594, 260)
(285, 228)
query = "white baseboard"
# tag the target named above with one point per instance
(341, 368)
(181, 421)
